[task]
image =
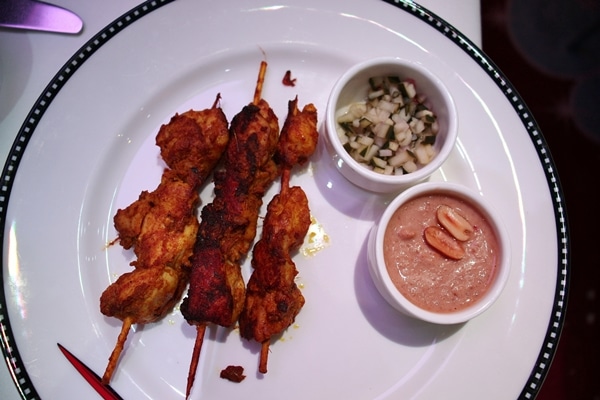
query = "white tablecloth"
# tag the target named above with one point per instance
(28, 72)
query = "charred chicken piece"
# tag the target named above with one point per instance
(161, 226)
(193, 142)
(272, 298)
(228, 225)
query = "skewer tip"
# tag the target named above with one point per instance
(217, 100)
(259, 82)
(116, 353)
(264, 357)
(200, 329)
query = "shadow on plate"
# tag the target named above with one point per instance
(388, 321)
(15, 50)
(343, 195)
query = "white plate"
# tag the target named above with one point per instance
(88, 149)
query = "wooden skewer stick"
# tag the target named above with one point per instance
(201, 329)
(264, 357)
(259, 82)
(264, 350)
(116, 353)
(280, 237)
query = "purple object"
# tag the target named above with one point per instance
(35, 15)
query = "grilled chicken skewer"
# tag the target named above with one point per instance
(161, 225)
(272, 298)
(228, 224)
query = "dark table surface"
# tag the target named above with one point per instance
(550, 51)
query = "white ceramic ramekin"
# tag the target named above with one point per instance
(390, 292)
(353, 86)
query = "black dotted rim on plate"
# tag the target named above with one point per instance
(542, 365)
(10, 352)
(557, 317)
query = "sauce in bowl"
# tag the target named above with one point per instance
(425, 275)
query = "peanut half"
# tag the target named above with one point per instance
(455, 223)
(443, 242)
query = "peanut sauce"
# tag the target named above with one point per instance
(425, 276)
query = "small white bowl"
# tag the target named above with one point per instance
(352, 87)
(383, 281)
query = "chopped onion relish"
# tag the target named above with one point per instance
(392, 131)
